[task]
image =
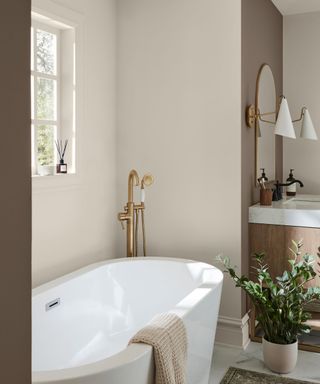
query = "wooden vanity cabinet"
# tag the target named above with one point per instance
(275, 241)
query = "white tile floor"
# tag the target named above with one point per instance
(308, 366)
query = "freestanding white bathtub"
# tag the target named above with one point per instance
(83, 321)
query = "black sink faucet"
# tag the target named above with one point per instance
(277, 192)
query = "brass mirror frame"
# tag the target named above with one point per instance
(256, 122)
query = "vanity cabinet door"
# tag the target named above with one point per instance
(275, 241)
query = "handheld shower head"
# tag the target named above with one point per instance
(147, 180)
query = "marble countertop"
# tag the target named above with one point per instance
(298, 211)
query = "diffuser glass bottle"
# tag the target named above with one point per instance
(62, 167)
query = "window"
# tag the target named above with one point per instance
(44, 95)
(52, 99)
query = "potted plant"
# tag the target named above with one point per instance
(280, 305)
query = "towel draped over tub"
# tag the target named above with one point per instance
(167, 335)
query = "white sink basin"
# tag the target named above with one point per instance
(299, 211)
(303, 202)
(304, 198)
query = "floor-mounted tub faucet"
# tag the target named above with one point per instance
(131, 213)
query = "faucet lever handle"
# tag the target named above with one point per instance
(121, 218)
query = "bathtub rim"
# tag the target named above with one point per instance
(133, 352)
(90, 267)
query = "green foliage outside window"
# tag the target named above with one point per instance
(46, 99)
(46, 52)
(45, 144)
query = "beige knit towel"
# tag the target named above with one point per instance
(167, 335)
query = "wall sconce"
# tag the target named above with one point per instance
(283, 121)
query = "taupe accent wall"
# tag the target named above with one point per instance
(15, 193)
(261, 43)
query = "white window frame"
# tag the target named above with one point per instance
(35, 122)
(66, 16)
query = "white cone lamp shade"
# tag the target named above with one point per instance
(307, 128)
(284, 126)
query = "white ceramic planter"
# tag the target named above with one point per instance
(280, 358)
(46, 170)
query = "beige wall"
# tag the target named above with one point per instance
(15, 193)
(261, 43)
(74, 218)
(181, 92)
(302, 88)
(178, 108)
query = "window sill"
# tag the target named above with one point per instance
(54, 183)
(71, 174)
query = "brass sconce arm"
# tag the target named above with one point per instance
(253, 114)
(301, 115)
(266, 114)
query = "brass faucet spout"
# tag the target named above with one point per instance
(133, 180)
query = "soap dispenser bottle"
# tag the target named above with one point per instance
(262, 179)
(263, 175)
(291, 189)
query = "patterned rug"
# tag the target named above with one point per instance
(242, 376)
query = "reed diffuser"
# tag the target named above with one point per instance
(61, 148)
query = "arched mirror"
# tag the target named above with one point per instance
(266, 101)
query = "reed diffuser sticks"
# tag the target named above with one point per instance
(61, 149)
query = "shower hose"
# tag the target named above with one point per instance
(136, 237)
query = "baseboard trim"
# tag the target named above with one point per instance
(233, 332)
